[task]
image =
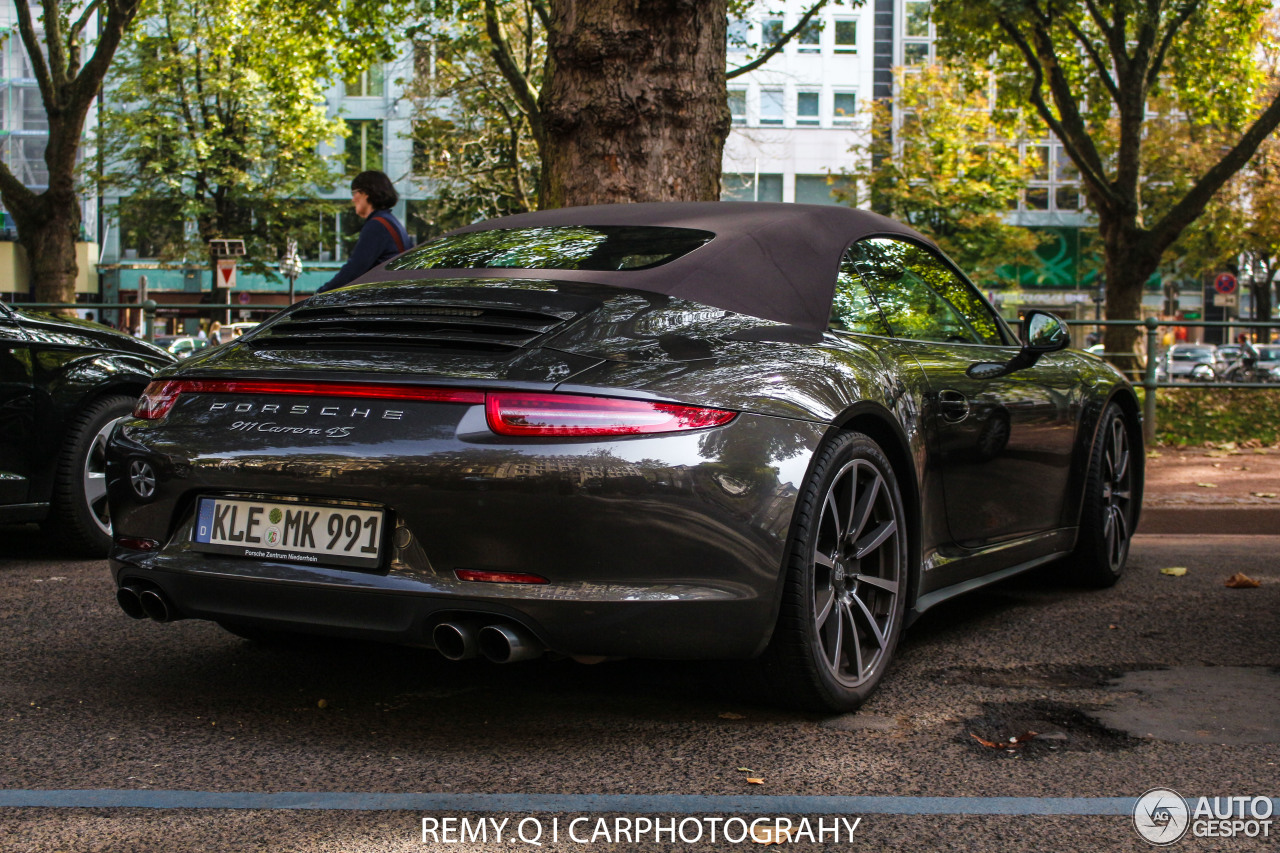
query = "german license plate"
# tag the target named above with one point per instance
(330, 535)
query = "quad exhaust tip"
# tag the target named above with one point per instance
(141, 602)
(456, 640)
(128, 599)
(507, 644)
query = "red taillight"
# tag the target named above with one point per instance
(159, 397)
(518, 413)
(511, 413)
(498, 577)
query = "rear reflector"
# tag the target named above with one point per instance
(137, 543)
(522, 414)
(511, 413)
(498, 577)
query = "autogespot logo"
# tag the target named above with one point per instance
(1161, 816)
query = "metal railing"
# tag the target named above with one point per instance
(149, 307)
(1150, 383)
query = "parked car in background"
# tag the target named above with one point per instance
(186, 346)
(238, 329)
(720, 430)
(64, 382)
(1180, 363)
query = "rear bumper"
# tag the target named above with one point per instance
(675, 622)
(663, 547)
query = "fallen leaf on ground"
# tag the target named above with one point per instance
(1154, 454)
(1207, 485)
(1241, 581)
(1227, 445)
(1174, 571)
(1011, 744)
(745, 770)
(751, 781)
(1264, 494)
(1112, 627)
(729, 715)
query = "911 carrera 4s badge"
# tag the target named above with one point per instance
(294, 532)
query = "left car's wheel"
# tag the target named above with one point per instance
(80, 519)
(846, 586)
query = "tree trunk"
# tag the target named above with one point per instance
(1128, 266)
(48, 225)
(634, 102)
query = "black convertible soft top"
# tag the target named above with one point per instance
(775, 261)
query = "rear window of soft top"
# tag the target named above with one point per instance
(560, 247)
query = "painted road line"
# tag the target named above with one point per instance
(569, 803)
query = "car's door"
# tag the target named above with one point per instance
(1003, 444)
(16, 429)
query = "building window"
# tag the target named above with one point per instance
(366, 84)
(772, 106)
(740, 187)
(810, 37)
(364, 145)
(1064, 170)
(846, 36)
(1067, 197)
(807, 109)
(771, 32)
(843, 108)
(915, 54)
(1037, 198)
(30, 110)
(738, 105)
(916, 19)
(26, 160)
(818, 189)
(739, 35)
(1038, 160)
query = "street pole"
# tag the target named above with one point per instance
(291, 265)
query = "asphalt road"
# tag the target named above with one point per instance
(1161, 681)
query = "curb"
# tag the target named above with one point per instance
(1204, 521)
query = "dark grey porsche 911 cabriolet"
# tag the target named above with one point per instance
(659, 430)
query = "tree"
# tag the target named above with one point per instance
(49, 222)
(216, 117)
(631, 103)
(1091, 69)
(471, 137)
(951, 168)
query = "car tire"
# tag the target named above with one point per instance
(79, 519)
(844, 595)
(1107, 514)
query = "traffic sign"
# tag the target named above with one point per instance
(1225, 283)
(226, 272)
(1225, 300)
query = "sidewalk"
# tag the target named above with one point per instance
(1212, 490)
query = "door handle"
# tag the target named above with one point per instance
(953, 405)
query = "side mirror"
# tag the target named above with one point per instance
(1041, 333)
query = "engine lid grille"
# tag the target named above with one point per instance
(457, 326)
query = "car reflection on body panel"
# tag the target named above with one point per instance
(665, 430)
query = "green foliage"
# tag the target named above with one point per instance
(472, 136)
(951, 169)
(215, 113)
(1193, 416)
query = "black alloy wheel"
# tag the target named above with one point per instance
(845, 593)
(1107, 517)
